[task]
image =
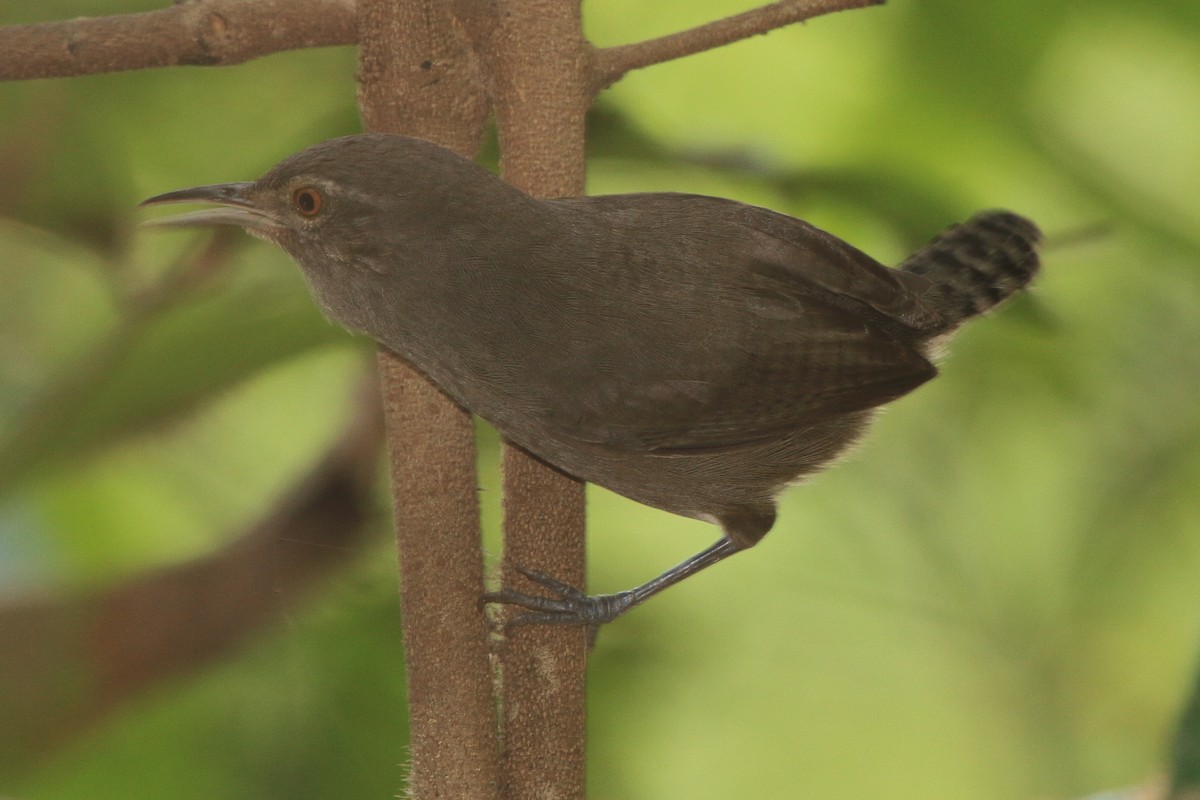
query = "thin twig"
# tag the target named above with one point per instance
(196, 33)
(612, 63)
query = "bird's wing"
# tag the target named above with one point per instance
(799, 339)
(738, 395)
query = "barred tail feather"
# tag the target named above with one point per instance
(978, 264)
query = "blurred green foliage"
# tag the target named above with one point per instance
(995, 598)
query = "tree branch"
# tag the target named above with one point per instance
(195, 33)
(612, 63)
(539, 65)
(417, 76)
(70, 662)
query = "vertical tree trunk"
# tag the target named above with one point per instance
(538, 61)
(418, 77)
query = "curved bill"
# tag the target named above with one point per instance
(237, 203)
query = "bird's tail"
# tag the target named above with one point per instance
(978, 264)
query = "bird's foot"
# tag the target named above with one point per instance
(567, 606)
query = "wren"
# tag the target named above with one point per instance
(693, 353)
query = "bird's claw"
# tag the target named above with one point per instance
(567, 606)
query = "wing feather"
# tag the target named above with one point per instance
(791, 328)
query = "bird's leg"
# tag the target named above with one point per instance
(570, 606)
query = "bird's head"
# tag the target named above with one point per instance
(358, 201)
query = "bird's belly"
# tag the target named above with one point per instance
(702, 484)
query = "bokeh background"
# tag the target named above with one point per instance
(997, 596)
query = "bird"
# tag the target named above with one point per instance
(695, 354)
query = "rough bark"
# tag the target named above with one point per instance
(197, 33)
(539, 64)
(417, 77)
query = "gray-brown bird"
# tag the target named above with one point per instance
(692, 353)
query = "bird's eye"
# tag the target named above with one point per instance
(307, 201)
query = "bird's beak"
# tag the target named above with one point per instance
(236, 201)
